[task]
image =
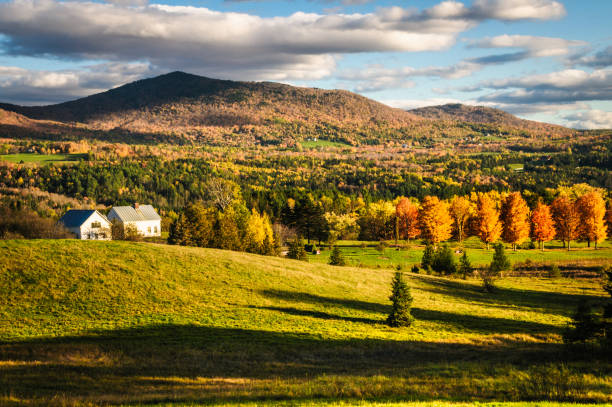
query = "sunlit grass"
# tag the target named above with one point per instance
(128, 323)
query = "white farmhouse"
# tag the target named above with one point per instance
(143, 217)
(87, 224)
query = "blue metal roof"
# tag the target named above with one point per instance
(76, 217)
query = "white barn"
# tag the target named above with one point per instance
(143, 217)
(87, 224)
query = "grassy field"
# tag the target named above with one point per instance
(31, 158)
(322, 144)
(89, 323)
(369, 254)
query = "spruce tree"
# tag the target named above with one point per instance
(465, 266)
(336, 258)
(499, 263)
(428, 256)
(296, 250)
(444, 261)
(402, 301)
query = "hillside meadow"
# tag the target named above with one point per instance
(119, 323)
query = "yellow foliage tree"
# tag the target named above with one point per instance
(460, 209)
(259, 233)
(542, 225)
(407, 215)
(592, 210)
(565, 215)
(515, 219)
(435, 221)
(488, 226)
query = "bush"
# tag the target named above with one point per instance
(25, 223)
(465, 266)
(381, 246)
(444, 261)
(402, 301)
(296, 250)
(336, 258)
(499, 264)
(415, 269)
(548, 382)
(554, 271)
(428, 256)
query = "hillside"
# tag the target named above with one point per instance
(483, 115)
(188, 104)
(125, 323)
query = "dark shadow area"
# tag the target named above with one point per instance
(206, 364)
(551, 302)
(471, 323)
(321, 315)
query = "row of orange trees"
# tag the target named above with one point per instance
(510, 219)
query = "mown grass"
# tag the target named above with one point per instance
(88, 323)
(370, 254)
(33, 158)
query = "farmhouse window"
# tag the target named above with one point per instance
(95, 224)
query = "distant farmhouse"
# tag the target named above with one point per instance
(142, 217)
(87, 224)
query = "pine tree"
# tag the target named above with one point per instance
(401, 300)
(336, 258)
(428, 256)
(434, 220)
(515, 219)
(296, 250)
(444, 261)
(542, 225)
(465, 266)
(488, 226)
(499, 264)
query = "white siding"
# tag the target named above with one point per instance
(147, 228)
(95, 227)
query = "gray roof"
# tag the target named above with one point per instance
(129, 214)
(76, 217)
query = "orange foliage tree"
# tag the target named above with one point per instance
(407, 215)
(460, 210)
(515, 219)
(488, 226)
(542, 225)
(434, 220)
(592, 211)
(565, 215)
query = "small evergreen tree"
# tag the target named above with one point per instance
(585, 325)
(428, 256)
(296, 250)
(402, 301)
(465, 266)
(444, 261)
(336, 258)
(499, 264)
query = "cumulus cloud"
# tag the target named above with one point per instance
(376, 78)
(299, 46)
(600, 59)
(565, 86)
(590, 119)
(25, 86)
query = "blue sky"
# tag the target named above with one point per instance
(547, 60)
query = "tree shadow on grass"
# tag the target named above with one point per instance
(543, 301)
(455, 321)
(210, 364)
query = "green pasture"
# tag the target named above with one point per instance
(32, 158)
(86, 323)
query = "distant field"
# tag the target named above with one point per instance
(322, 143)
(367, 254)
(88, 323)
(31, 158)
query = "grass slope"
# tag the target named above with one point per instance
(126, 323)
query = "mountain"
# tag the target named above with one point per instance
(484, 115)
(182, 103)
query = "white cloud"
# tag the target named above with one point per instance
(231, 45)
(44, 87)
(590, 119)
(535, 46)
(408, 104)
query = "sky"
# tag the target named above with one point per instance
(547, 60)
